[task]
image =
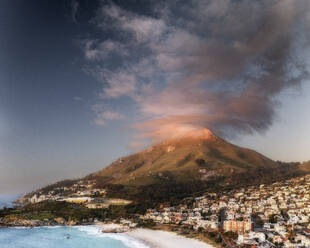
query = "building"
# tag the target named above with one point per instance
(237, 226)
(78, 199)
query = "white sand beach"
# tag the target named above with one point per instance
(163, 239)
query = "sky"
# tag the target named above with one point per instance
(85, 82)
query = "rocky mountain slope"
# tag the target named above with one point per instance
(203, 158)
(184, 166)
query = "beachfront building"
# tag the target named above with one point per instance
(78, 199)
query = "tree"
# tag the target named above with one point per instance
(273, 218)
(258, 222)
(284, 214)
(231, 235)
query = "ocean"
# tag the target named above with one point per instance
(65, 237)
(61, 237)
(6, 200)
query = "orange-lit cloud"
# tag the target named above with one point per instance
(216, 64)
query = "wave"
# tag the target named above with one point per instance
(125, 239)
(52, 227)
(35, 227)
(17, 227)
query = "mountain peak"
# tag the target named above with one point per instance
(203, 133)
(196, 155)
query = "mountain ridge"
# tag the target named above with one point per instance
(184, 165)
(201, 156)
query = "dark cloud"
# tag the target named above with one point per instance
(216, 64)
(74, 10)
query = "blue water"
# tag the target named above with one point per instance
(6, 200)
(56, 237)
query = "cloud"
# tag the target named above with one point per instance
(95, 50)
(216, 64)
(142, 28)
(119, 83)
(109, 115)
(102, 114)
(74, 10)
(102, 117)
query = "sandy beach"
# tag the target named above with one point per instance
(163, 239)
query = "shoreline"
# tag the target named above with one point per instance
(149, 237)
(165, 239)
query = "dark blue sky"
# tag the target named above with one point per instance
(75, 76)
(46, 97)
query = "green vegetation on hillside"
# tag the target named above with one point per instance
(50, 210)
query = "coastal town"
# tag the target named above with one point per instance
(274, 215)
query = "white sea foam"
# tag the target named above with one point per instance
(92, 230)
(125, 239)
(18, 227)
(52, 227)
(34, 227)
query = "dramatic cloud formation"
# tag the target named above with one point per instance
(216, 64)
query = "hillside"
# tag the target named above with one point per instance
(305, 167)
(179, 167)
(192, 158)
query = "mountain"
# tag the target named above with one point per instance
(203, 158)
(183, 166)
